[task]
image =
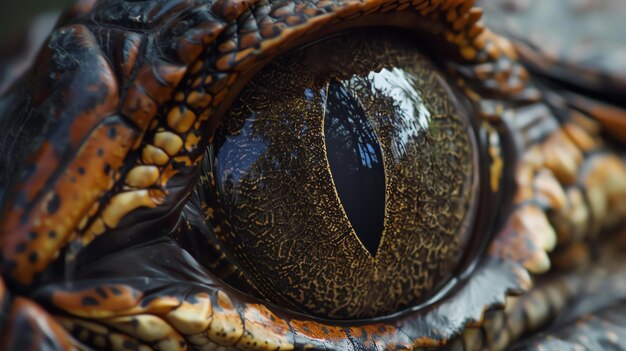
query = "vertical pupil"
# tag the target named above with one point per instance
(356, 163)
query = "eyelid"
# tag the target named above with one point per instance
(520, 278)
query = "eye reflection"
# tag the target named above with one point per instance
(411, 111)
(345, 179)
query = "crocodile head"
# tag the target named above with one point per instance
(333, 175)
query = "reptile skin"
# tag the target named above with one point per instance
(103, 149)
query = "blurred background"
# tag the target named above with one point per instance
(15, 14)
(585, 33)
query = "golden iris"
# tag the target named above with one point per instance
(345, 178)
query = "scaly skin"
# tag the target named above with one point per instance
(106, 140)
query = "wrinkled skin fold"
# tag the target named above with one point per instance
(104, 241)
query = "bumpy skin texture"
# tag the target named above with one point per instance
(102, 147)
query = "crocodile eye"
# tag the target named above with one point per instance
(345, 178)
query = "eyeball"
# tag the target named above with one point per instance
(345, 178)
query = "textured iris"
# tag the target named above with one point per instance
(345, 178)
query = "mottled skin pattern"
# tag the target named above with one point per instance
(102, 143)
